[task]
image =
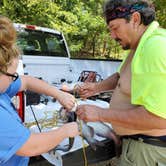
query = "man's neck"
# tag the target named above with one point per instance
(138, 36)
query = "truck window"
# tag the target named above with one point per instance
(39, 43)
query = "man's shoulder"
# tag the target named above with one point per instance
(156, 41)
(160, 31)
(154, 48)
(158, 35)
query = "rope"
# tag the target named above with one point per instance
(83, 146)
(80, 126)
(35, 118)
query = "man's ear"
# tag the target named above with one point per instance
(136, 18)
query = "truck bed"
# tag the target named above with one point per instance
(75, 158)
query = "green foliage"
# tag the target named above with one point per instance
(81, 21)
(160, 6)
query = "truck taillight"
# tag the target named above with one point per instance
(32, 27)
(19, 104)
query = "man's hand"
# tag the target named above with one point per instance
(88, 113)
(87, 89)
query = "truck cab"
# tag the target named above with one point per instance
(45, 53)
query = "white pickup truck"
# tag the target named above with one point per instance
(45, 55)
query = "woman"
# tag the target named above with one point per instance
(17, 143)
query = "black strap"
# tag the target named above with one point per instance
(153, 140)
(136, 136)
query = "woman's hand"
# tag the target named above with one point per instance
(71, 129)
(66, 99)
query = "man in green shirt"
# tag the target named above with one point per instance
(137, 109)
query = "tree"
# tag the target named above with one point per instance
(81, 21)
(160, 6)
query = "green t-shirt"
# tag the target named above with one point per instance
(148, 68)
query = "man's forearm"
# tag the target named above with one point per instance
(137, 119)
(109, 83)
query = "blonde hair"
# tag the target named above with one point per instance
(8, 48)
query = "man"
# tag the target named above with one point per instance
(16, 141)
(138, 108)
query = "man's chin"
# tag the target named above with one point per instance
(127, 47)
